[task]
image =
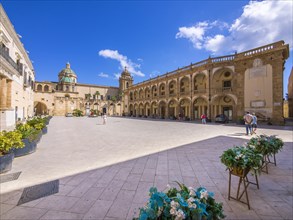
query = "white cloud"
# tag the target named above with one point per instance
(195, 33)
(104, 75)
(262, 22)
(117, 75)
(124, 61)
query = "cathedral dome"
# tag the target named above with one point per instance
(67, 71)
(66, 79)
(67, 75)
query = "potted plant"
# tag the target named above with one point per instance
(8, 141)
(38, 124)
(240, 160)
(29, 138)
(183, 203)
(266, 145)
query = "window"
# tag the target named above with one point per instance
(108, 97)
(227, 84)
(102, 97)
(39, 88)
(126, 84)
(46, 88)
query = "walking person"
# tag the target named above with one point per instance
(104, 119)
(254, 123)
(203, 118)
(248, 120)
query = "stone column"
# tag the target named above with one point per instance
(3, 93)
(9, 89)
(277, 114)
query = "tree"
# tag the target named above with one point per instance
(88, 96)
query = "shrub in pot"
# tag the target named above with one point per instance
(8, 141)
(28, 137)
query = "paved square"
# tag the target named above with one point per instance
(105, 171)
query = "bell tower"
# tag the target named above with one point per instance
(125, 80)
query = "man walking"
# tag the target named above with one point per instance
(254, 123)
(248, 120)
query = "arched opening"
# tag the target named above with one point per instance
(224, 104)
(200, 106)
(40, 108)
(184, 108)
(162, 89)
(141, 94)
(172, 88)
(130, 110)
(172, 109)
(184, 86)
(200, 83)
(39, 88)
(154, 109)
(147, 93)
(162, 109)
(222, 81)
(46, 88)
(131, 96)
(141, 110)
(154, 91)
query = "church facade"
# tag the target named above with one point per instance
(67, 95)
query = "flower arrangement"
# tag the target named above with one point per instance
(266, 145)
(185, 203)
(242, 157)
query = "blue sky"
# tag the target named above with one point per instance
(151, 38)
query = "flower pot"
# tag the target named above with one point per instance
(29, 148)
(38, 138)
(238, 171)
(6, 162)
(45, 130)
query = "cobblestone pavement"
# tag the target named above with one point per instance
(105, 171)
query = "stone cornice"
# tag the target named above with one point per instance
(10, 28)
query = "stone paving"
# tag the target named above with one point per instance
(105, 171)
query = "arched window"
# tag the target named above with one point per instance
(46, 88)
(39, 88)
(127, 85)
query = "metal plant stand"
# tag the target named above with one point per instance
(242, 179)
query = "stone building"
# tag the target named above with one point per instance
(59, 98)
(230, 85)
(16, 76)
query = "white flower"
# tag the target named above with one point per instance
(173, 211)
(204, 194)
(191, 191)
(180, 215)
(174, 204)
(168, 186)
(160, 210)
(190, 200)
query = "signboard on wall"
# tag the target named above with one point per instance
(258, 104)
